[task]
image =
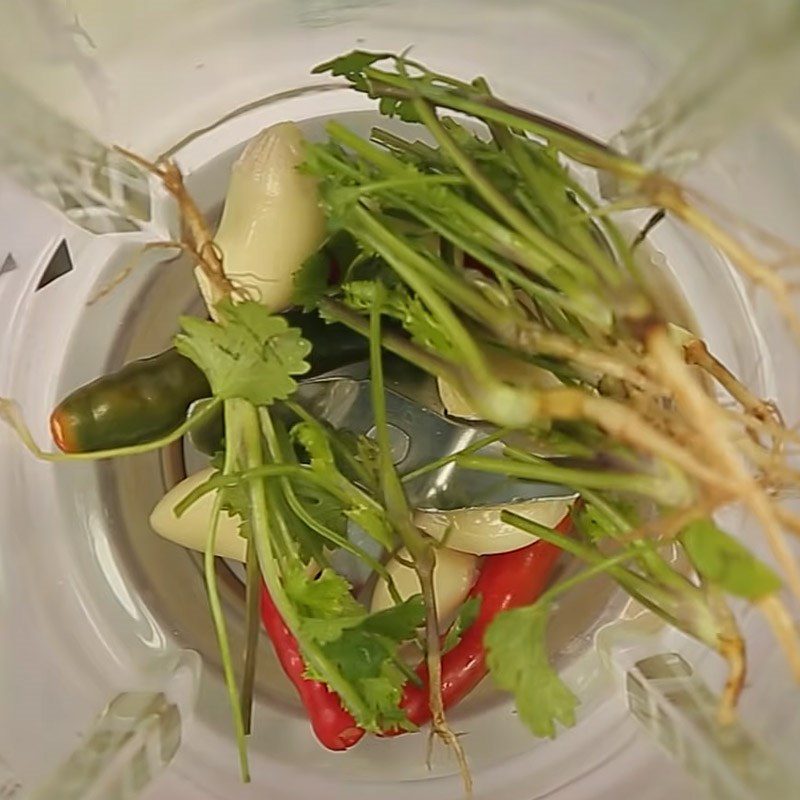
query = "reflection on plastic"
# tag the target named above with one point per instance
(679, 709)
(133, 739)
(747, 65)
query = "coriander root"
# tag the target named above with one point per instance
(196, 228)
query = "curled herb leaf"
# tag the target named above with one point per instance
(517, 657)
(723, 561)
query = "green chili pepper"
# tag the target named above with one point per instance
(142, 401)
(149, 398)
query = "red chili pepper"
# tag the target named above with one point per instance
(333, 726)
(506, 580)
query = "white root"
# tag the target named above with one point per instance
(713, 427)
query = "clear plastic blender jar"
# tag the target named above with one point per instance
(91, 618)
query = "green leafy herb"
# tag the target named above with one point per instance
(400, 304)
(322, 506)
(350, 65)
(327, 596)
(311, 281)
(517, 658)
(357, 504)
(368, 662)
(398, 622)
(364, 648)
(467, 615)
(249, 354)
(720, 559)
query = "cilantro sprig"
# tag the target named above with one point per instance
(249, 354)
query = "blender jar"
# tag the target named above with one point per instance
(99, 613)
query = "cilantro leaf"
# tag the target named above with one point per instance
(593, 523)
(249, 354)
(517, 658)
(314, 439)
(399, 622)
(364, 647)
(467, 615)
(327, 596)
(408, 309)
(350, 64)
(311, 281)
(719, 558)
(235, 499)
(367, 661)
(322, 506)
(374, 523)
(358, 457)
(383, 695)
(402, 108)
(311, 436)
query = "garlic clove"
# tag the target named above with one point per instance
(480, 531)
(191, 529)
(453, 577)
(272, 220)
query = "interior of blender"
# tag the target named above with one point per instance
(116, 608)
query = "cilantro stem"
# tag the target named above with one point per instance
(686, 607)
(469, 239)
(270, 571)
(437, 463)
(576, 144)
(647, 485)
(403, 260)
(520, 156)
(220, 481)
(630, 580)
(415, 180)
(604, 565)
(496, 200)
(342, 542)
(424, 274)
(505, 240)
(419, 546)
(341, 451)
(345, 491)
(275, 489)
(252, 628)
(661, 570)
(399, 345)
(217, 614)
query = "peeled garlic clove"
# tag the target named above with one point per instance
(272, 220)
(480, 530)
(453, 577)
(191, 529)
